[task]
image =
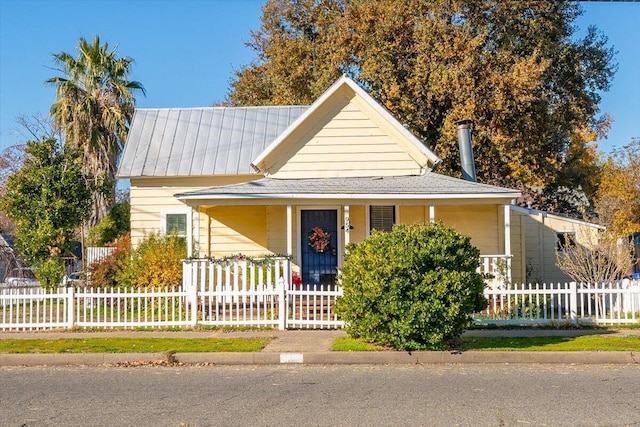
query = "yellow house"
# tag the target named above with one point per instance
(259, 180)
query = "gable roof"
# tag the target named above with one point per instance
(201, 141)
(429, 186)
(415, 148)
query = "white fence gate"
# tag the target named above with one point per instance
(258, 292)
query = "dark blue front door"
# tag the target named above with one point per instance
(319, 261)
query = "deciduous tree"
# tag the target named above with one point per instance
(47, 200)
(514, 68)
(618, 196)
(595, 257)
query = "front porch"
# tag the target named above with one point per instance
(256, 231)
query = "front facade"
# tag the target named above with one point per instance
(260, 180)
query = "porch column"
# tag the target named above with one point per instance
(432, 214)
(195, 250)
(190, 239)
(288, 280)
(507, 230)
(507, 240)
(289, 231)
(347, 225)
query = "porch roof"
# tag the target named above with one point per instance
(428, 186)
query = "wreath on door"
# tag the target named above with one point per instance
(319, 239)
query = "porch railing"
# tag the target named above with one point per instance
(497, 269)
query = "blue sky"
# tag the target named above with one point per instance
(186, 51)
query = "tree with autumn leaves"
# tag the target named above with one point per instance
(515, 68)
(618, 195)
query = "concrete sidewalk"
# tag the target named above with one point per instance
(314, 347)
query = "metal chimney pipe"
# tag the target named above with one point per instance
(466, 150)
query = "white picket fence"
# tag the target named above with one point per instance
(23, 308)
(233, 292)
(240, 292)
(600, 303)
(97, 253)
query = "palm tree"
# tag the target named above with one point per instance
(94, 107)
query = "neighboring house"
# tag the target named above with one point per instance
(542, 236)
(257, 180)
(11, 265)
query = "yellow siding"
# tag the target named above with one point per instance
(412, 214)
(483, 223)
(150, 197)
(344, 142)
(358, 220)
(277, 229)
(518, 265)
(238, 230)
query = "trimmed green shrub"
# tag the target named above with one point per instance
(412, 288)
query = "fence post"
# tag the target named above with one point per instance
(192, 296)
(282, 304)
(192, 290)
(71, 290)
(573, 302)
(186, 272)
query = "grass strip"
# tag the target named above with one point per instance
(553, 343)
(543, 343)
(351, 344)
(132, 345)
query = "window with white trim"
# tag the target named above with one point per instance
(382, 218)
(175, 224)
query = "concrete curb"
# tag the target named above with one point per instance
(327, 358)
(76, 359)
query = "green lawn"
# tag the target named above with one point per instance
(552, 343)
(198, 345)
(132, 345)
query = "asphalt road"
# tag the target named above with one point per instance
(427, 395)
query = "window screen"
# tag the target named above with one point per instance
(382, 218)
(176, 225)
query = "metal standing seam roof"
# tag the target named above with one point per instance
(429, 185)
(201, 141)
